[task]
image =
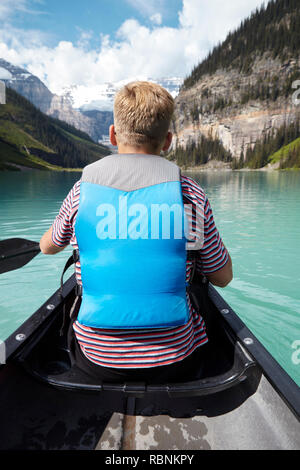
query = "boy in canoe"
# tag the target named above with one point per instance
(127, 220)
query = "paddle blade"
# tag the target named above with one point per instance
(16, 252)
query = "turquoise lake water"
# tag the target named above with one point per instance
(257, 214)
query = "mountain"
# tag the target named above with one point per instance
(97, 102)
(243, 91)
(33, 89)
(30, 138)
(26, 85)
(102, 120)
(89, 109)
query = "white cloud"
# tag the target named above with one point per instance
(136, 51)
(156, 18)
(213, 19)
(84, 39)
(147, 7)
(9, 7)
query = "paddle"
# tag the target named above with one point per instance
(16, 252)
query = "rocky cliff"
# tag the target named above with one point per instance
(101, 120)
(216, 105)
(62, 109)
(244, 88)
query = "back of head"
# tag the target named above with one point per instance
(142, 114)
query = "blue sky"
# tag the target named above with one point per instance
(64, 19)
(86, 43)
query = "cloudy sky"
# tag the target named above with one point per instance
(90, 42)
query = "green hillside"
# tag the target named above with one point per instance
(288, 156)
(29, 138)
(279, 145)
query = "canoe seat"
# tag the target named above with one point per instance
(226, 362)
(75, 379)
(219, 373)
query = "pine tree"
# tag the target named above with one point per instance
(264, 31)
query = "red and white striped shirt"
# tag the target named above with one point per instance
(147, 347)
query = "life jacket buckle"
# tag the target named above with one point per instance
(78, 290)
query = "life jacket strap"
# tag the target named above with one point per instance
(75, 255)
(192, 256)
(72, 260)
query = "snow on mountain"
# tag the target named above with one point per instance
(101, 97)
(5, 74)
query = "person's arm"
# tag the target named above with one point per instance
(47, 246)
(215, 261)
(223, 276)
(60, 233)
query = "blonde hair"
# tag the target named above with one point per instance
(142, 114)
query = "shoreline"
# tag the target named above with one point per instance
(222, 170)
(25, 169)
(224, 167)
(208, 167)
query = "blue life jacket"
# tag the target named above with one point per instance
(132, 248)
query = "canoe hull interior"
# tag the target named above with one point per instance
(45, 404)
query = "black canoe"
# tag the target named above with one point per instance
(240, 399)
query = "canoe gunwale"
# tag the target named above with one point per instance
(280, 380)
(37, 319)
